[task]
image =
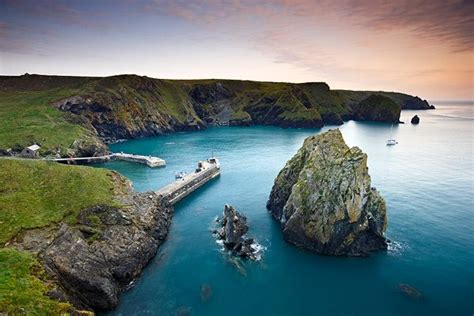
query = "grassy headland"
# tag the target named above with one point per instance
(23, 286)
(38, 194)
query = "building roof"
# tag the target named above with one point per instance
(34, 147)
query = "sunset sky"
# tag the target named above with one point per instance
(423, 48)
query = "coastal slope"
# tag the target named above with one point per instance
(72, 237)
(80, 115)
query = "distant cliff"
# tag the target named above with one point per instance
(91, 109)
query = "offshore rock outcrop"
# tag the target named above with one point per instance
(324, 199)
(232, 234)
(415, 120)
(96, 258)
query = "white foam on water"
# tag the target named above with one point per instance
(259, 249)
(396, 248)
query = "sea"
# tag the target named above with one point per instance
(427, 181)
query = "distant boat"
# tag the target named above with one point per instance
(180, 176)
(391, 141)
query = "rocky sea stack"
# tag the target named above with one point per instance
(415, 120)
(324, 199)
(232, 233)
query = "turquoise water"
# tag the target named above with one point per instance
(427, 181)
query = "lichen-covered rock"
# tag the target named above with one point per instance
(324, 199)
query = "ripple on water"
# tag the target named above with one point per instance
(426, 180)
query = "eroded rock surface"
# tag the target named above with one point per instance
(324, 199)
(232, 233)
(95, 258)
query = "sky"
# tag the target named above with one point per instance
(420, 47)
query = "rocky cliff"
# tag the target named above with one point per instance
(377, 108)
(324, 199)
(93, 256)
(128, 106)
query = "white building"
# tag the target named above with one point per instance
(31, 151)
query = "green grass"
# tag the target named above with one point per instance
(377, 107)
(37, 193)
(23, 286)
(27, 117)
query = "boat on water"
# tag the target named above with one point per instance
(391, 141)
(180, 175)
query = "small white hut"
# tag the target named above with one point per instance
(31, 151)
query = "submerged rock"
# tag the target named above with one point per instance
(232, 233)
(183, 311)
(415, 119)
(324, 199)
(206, 292)
(409, 291)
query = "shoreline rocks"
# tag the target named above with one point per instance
(233, 227)
(324, 200)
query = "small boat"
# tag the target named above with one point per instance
(180, 175)
(391, 141)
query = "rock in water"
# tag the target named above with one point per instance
(235, 226)
(232, 234)
(409, 291)
(206, 292)
(324, 200)
(415, 119)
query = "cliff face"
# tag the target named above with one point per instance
(129, 106)
(324, 200)
(97, 259)
(377, 108)
(92, 256)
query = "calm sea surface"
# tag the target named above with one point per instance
(427, 181)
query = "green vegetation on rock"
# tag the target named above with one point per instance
(77, 115)
(35, 194)
(377, 107)
(27, 117)
(324, 199)
(23, 285)
(40, 195)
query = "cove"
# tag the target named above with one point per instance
(426, 180)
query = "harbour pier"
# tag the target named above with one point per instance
(150, 161)
(186, 184)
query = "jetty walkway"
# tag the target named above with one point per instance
(186, 184)
(150, 161)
